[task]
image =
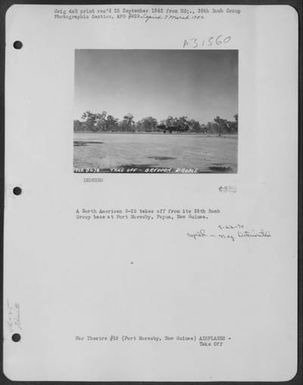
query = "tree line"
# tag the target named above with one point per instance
(104, 122)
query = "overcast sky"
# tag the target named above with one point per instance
(199, 84)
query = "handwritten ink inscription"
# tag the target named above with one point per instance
(229, 232)
(13, 316)
(211, 41)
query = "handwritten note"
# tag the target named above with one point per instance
(229, 232)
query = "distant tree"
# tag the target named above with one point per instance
(182, 122)
(101, 121)
(77, 126)
(170, 121)
(223, 126)
(90, 120)
(111, 123)
(147, 124)
(195, 126)
(203, 128)
(235, 124)
(128, 123)
(98, 122)
(231, 127)
(212, 128)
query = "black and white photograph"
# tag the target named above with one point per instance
(156, 111)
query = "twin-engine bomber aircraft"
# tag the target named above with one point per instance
(171, 129)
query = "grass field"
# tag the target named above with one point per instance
(119, 152)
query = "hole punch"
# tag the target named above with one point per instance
(18, 44)
(17, 190)
(16, 337)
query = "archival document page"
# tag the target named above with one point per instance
(150, 229)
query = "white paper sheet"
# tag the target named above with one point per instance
(132, 272)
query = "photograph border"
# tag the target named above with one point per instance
(183, 126)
